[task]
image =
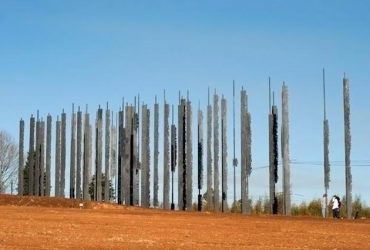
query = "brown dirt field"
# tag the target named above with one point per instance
(52, 223)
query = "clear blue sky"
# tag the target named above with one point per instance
(54, 53)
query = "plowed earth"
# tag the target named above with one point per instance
(53, 223)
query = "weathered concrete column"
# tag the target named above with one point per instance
(145, 157)
(42, 158)
(136, 160)
(99, 154)
(107, 155)
(326, 150)
(113, 149)
(48, 155)
(31, 155)
(216, 141)
(137, 163)
(200, 158)
(63, 155)
(72, 170)
(243, 157)
(189, 156)
(173, 158)
(57, 157)
(209, 158)
(79, 155)
(36, 176)
(21, 158)
(246, 156)
(156, 153)
(273, 146)
(347, 145)
(285, 151)
(87, 157)
(129, 160)
(166, 158)
(224, 153)
(120, 169)
(127, 153)
(181, 153)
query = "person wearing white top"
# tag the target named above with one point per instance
(335, 206)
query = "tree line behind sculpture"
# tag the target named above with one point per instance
(124, 164)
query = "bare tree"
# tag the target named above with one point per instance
(8, 160)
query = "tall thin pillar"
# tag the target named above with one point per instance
(42, 158)
(120, 169)
(156, 153)
(285, 150)
(216, 132)
(189, 156)
(224, 153)
(137, 152)
(57, 157)
(200, 158)
(243, 116)
(166, 158)
(235, 160)
(209, 157)
(107, 155)
(63, 155)
(347, 145)
(87, 157)
(21, 158)
(173, 158)
(79, 155)
(127, 155)
(99, 155)
(246, 156)
(48, 155)
(181, 154)
(72, 171)
(36, 176)
(31, 159)
(113, 155)
(326, 149)
(273, 150)
(145, 157)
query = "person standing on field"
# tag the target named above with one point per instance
(335, 203)
(323, 205)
